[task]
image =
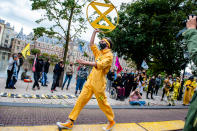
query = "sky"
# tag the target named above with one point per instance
(19, 14)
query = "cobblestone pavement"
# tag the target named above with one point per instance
(21, 89)
(29, 116)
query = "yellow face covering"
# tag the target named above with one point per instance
(107, 42)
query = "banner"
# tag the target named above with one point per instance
(117, 64)
(26, 51)
(144, 65)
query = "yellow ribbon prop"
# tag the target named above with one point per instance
(26, 51)
(94, 24)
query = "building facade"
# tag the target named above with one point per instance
(7, 33)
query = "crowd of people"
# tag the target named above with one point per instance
(121, 86)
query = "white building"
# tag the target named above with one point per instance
(6, 34)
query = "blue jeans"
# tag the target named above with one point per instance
(44, 78)
(80, 83)
(141, 103)
(68, 77)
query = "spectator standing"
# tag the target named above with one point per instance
(69, 74)
(157, 84)
(45, 71)
(81, 78)
(59, 67)
(38, 63)
(20, 61)
(12, 74)
(151, 86)
(110, 78)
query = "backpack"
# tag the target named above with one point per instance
(113, 93)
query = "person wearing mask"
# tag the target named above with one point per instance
(151, 87)
(191, 41)
(157, 84)
(69, 74)
(189, 86)
(20, 57)
(38, 64)
(44, 72)
(96, 83)
(12, 70)
(167, 86)
(58, 69)
(81, 78)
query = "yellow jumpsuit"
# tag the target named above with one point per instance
(187, 95)
(176, 86)
(96, 84)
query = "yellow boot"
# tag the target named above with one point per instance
(110, 125)
(67, 125)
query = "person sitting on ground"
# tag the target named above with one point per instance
(24, 75)
(134, 98)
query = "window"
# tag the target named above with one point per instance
(6, 41)
(7, 36)
(17, 47)
(19, 42)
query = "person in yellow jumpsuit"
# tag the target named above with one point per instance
(96, 83)
(173, 95)
(176, 86)
(193, 87)
(187, 95)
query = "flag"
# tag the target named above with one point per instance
(144, 65)
(117, 64)
(26, 51)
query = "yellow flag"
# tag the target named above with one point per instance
(26, 50)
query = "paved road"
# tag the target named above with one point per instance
(48, 116)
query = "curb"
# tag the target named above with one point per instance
(88, 106)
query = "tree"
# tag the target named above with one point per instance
(59, 14)
(35, 51)
(147, 31)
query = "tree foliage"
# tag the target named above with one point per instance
(35, 51)
(63, 17)
(147, 31)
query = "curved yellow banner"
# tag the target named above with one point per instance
(95, 24)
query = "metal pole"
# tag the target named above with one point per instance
(182, 83)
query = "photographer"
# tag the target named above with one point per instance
(134, 98)
(191, 39)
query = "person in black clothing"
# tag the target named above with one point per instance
(20, 61)
(44, 72)
(38, 67)
(128, 85)
(56, 75)
(151, 86)
(110, 77)
(134, 84)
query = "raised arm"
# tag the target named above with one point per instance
(93, 37)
